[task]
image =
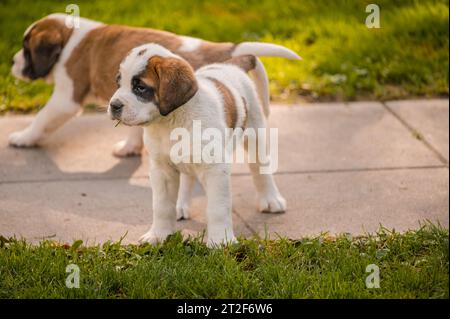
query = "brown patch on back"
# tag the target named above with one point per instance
(207, 53)
(245, 62)
(95, 62)
(229, 103)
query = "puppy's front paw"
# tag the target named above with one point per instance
(153, 237)
(23, 138)
(125, 148)
(183, 211)
(272, 203)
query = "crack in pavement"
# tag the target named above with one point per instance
(416, 132)
(246, 224)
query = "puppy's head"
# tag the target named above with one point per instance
(42, 45)
(152, 82)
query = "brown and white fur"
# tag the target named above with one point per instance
(160, 91)
(83, 62)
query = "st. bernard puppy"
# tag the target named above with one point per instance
(160, 91)
(82, 63)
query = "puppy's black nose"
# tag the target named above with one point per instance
(12, 61)
(116, 106)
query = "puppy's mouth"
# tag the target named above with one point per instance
(126, 122)
(114, 115)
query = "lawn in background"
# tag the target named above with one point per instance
(411, 265)
(343, 59)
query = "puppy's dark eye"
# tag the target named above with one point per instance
(140, 89)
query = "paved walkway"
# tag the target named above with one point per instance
(342, 168)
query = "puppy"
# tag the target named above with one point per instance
(160, 91)
(83, 61)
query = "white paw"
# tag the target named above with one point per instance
(183, 211)
(153, 237)
(272, 203)
(22, 138)
(123, 149)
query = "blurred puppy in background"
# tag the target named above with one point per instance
(82, 64)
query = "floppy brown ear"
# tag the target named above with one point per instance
(45, 43)
(44, 56)
(177, 83)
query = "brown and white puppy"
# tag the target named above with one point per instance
(83, 62)
(160, 91)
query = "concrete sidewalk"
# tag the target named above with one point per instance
(342, 168)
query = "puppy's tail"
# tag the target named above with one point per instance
(259, 73)
(264, 49)
(261, 81)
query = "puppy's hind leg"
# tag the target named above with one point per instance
(55, 113)
(269, 197)
(132, 145)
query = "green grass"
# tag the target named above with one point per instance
(412, 265)
(343, 60)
